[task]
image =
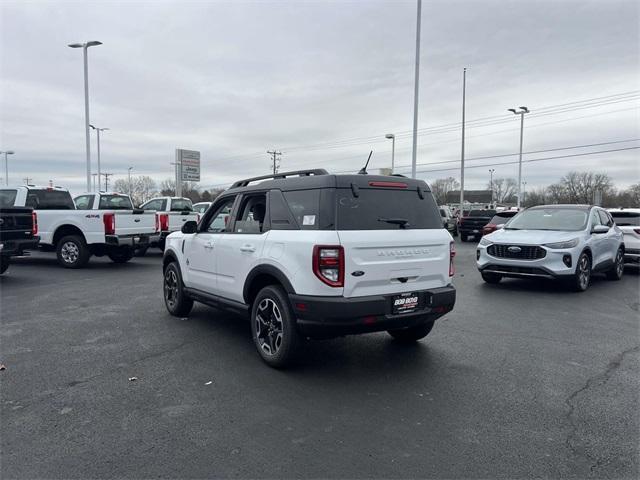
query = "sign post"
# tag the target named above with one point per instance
(187, 168)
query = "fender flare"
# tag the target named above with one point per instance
(268, 270)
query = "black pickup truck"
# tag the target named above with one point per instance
(18, 232)
(471, 225)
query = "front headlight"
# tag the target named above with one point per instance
(484, 241)
(566, 244)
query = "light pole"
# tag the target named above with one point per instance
(6, 165)
(130, 168)
(98, 130)
(464, 98)
(94, 180)
(491, 170)
(392, 137)
(414, 153)
(524, 191)
(520, 112)
(84, 47)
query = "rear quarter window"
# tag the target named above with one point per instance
(50, 200)
(371, 207)
(180, 205)
(623, 219)
(7, 198)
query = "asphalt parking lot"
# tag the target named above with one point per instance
(521, 380)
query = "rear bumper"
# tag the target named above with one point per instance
(157, 238)
(133, 241)
(632, 256)
(335, 316)
(9, 248)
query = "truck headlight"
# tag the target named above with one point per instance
(485, 242)
(566, 244)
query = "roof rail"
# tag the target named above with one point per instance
(298, 173)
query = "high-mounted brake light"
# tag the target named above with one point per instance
(34, 223)
(452, 254)
(109, 220)
(388, 184)
(328, 264)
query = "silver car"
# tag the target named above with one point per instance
(566, 242)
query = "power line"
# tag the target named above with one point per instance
(533, 160)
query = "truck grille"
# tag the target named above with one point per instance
(520, 252)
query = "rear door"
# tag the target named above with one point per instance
(393, 241)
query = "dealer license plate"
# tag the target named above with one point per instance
(405, 303)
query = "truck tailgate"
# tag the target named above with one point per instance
(16, 223)
(130, 223)
(177, 219)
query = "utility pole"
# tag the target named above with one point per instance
(106, 181)
(464, 99)
(520, 112)
(26, 180)
(414, 154)
(491, 170)
(130, 180)
(276, 162)
(98, 130)
(6, 165)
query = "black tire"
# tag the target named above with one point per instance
(72, 252)
(120, 255)
(273, 327)
(455, 232)
(4, 264)
(161, 245)
(617, 271)
(463, 237)
(581, 279)
(412, 334)
(141, 252)
(175, 298)
(492, 278)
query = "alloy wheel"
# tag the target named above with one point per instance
(584, 274)
(70, 252)
(171, 288)
(619, 263)
(269, 326)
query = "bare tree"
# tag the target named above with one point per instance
(142, 188)
(504, 189)
(580, 187)
(441, 187)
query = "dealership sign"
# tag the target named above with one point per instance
(189, 161)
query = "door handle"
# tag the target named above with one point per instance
(208, 245)
(248, 248)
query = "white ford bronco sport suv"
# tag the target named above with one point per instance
(311, 255)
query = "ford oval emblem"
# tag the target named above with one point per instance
(357, 273)
(514, 249)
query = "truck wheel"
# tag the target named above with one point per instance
(463, 237)
(175, 299)
(412, 334)
(617, 270)
(141, 252)
(72, 252)
(273, 327)
(4, 264)
(120, 255)
(492, 278)
(581, 279)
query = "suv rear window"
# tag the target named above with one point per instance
(624, 219)
(371, 207)
(115, 202)
(482, 213)
(7, 198)
(50, 200)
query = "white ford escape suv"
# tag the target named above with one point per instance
(312, 255)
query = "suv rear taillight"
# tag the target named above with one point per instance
(328, 264)
(34, 223)
(109, 220)
(452, 254)
(163, 222)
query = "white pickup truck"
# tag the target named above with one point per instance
(171, 214)
(76, 234)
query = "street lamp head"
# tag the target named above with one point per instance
(513, 110)
(524, 109)
(390, 136)
(9, 152)
(93, 43)
(75, 45)
(92, 126)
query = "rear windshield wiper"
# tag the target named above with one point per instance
(403, 222)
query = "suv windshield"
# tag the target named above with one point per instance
(559, 219)
(386, 209)
(626, 219)
(482, 213)
(181, 204)
(7, 198)
(115, 202)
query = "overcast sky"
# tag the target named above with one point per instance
(322, 82)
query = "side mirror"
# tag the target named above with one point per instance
(599, 229)
(189, 227)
